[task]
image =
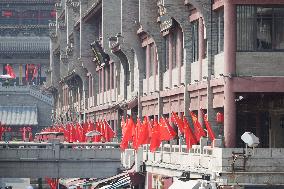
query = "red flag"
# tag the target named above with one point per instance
(67, 133)
(198, 130)
(188, 134)
(63, 130)
(128, 133)
(72, 133)
(98, 128)
(10, 71)
(109, 133)
(166, 131)
(85, 127)
(177, 121)
(155, 139)
(123, 125)
(91, 126)
(78, 133)
(1, 131)
(52, 182)
(144, 132)
(208, 127)
(30, 136)
(136, 133)
(103, 131)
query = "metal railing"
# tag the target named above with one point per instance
(62, 145)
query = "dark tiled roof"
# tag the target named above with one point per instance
(18, 115)
(24, 44)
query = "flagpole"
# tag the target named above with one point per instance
(179, 135)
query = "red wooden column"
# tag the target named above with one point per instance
(201, 53)
(229, 68)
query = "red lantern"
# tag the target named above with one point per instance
(219, 117)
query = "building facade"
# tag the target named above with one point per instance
(25, 46)
(110, 58)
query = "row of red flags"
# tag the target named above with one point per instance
(76, 132)
(153, 132)
(32, 67)
(23, 130)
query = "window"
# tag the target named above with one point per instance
(151, 58)
(175, 37)
(220, 30)
(260, 28)
(195, 41)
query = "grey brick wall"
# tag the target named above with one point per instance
(260, 63)
(111, 12)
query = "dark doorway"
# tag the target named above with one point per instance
(263, 115)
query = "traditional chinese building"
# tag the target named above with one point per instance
(150, 58)
(25, 46)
